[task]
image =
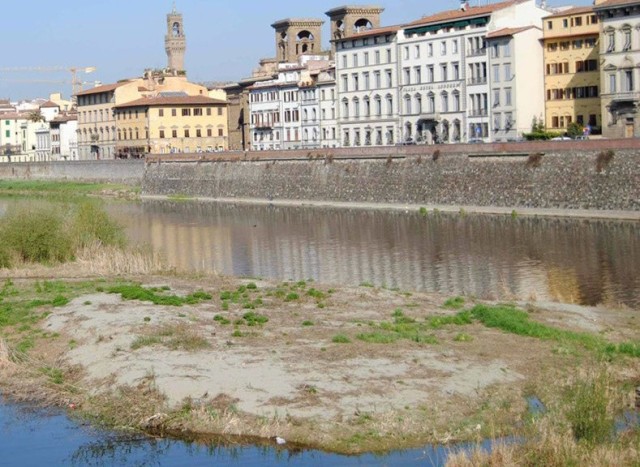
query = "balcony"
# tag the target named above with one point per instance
(625, 96)
(476, 52)
(478, 113)
(477, 81)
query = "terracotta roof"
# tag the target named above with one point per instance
(571, 11)
(64, 118)
(103, 88)
(450, 15)
(172, 100)
(14, 116)
(505, 32)
(616, 3)
(49, 105)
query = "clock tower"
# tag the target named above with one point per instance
(175, 42)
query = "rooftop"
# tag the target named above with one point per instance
(172, 100)
(469, 12)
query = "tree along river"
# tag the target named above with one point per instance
(588, 262)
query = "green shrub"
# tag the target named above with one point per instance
(588, 412)
(37, 234)
(91, 224)
(340, 339)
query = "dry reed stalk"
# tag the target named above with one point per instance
(98, 259)
(5, 355)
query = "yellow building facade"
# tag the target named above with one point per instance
(171, 124)
(572, 74)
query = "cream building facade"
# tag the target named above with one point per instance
(171, 124)
(572, 69)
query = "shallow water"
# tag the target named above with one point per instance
(32, 437)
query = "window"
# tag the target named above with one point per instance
(430, 74)
(495, 50)
(407, 104)
(197, 112)
(455, 46)
(160, 114)
(430, 50)
(407, 76)
(497, 120)
(378, 105)
(186, 133)
(356, 83)
(507, 96)
(456, 71)
(612, 83)
(7, 133)
(627, 40)
(389, 105)
(405, 53)
(198, 133)
(367, 83)
(174, 112)
(628, 80)
(496, 97)
(611, 41)
(174, 133)
(443, 48)
(220, 131)
(345, 83)
(416, 53)
(366, 59)
(417, 71)
(389, 74)
(549, 25)
(344, 61)
(443, 72)
(507, 72)
(506, 49)
(496, 73)
(209, 132)
(355, 60)
(445, 101)
(388, 55)
(377, 57)
(377, 79)
(565, 23)
(186, 112)
(577, 21)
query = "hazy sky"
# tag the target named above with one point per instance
(225, 38)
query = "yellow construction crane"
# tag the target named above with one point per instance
(76, 82)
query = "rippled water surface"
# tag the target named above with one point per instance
(576, 261)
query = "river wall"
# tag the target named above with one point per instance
(525, 175)
(111, 171)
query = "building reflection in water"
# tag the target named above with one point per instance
(578, 261)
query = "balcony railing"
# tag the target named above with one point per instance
(478, 80)
(476, 52)
(478, 113)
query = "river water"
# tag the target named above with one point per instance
(32, 437)
(587, 262)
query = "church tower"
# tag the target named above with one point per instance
(175, 42)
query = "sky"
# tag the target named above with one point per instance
(121, 38)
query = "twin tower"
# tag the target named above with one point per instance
(299, 36)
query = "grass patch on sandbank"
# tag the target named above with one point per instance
(173, 337)
(157, 295)
(65, 188)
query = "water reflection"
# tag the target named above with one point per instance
(577, 261)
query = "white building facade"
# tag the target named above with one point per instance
(367, 88)
(620, 67)
(447, 73)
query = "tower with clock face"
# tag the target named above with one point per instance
(175, 42)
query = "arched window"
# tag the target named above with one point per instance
(431, 103)
(175, 29)
(418, 101)
(367, 107)
(445, 101)
(389, 99)
(378, 105)
(356, 107)
(407, 104)
(345, 108)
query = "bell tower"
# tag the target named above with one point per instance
(175, 42)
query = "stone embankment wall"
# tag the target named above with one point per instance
(112, 171)
(527, 175)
